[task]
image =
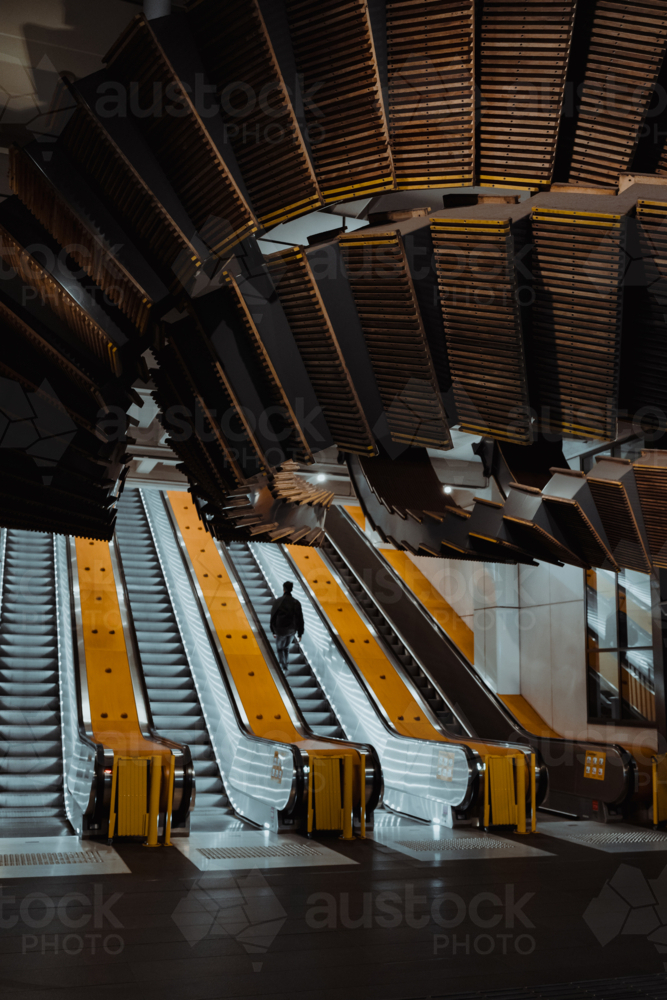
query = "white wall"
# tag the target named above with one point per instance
(552, 642)
(530, 637)
(495, 596)
(453, 579)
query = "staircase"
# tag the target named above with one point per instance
(175, 706)
(31, 767)
(391, 640)
(300, 677)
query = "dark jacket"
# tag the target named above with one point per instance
(286, 616)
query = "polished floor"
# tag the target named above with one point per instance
(378, 924)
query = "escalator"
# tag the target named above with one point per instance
(306, 690)
(174, 704)
(31, 765)
(444, 668)
(442, 711)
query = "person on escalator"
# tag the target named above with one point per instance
(286, 622)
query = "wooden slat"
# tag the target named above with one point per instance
(578, 261)
(430, 53)
(348, 132)
(651, 477)
(321, 354)
(483, 327)
(86, 247)
(626, 51)
(384, 295)
(120, 185)
(235, 46)
(292, 439)
(32, 273)
(186, 152)
(524, 52)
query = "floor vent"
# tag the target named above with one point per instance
(646, 987)
(280, 851)
(639, 837)
(52, 858)
(454, 844)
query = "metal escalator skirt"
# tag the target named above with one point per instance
(421, 777)
(246, 762)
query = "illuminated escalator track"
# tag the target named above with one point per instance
(266, 713)
(404, 709)
(113, 708)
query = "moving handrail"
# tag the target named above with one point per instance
(87, 764)
(109, 739)
(373, 775)
(264, 779)
(564, 760)
(413, 769)
(184, 774)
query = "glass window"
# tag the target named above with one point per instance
(619, 646)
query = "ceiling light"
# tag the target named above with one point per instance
(447, 489)
(320, 478)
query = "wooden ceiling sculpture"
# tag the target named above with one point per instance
(521, 318)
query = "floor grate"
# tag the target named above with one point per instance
(281, 851)
(620, 838)
(643, 987)
(454, 844)
(52, 858)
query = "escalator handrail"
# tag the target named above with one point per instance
(472, 757)
(3, 550)
(533, 738)
(276, 672)
(184, 774)
(293, 710)
(407, 679)
(101, 793)
(298, 788)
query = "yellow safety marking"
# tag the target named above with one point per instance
(132, 785)
(659, 784)
(404, 712)
(112, 705)
(267, 714)
(457, 630)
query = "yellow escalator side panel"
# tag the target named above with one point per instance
(405, 714)
(502, 790)
(458, 631)
(132, 796)
(262, 701)
(526, 716)
(327, 790)
(357, 514)
(112, 705)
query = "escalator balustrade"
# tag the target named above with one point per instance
(175, 706)
(305, 687)
(31, 771)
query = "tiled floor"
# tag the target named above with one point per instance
(377, 925)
